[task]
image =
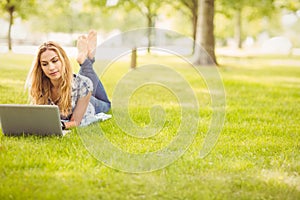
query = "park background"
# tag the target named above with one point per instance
(256, 46)
(247, 25)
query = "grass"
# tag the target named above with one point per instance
(256, 157)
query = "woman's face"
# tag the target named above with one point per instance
(51, 65)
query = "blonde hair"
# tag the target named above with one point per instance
(40, 86)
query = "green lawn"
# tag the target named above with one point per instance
(257, 155)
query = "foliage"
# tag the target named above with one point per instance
(80, 16)
(250, 13)
(61, 16)
(21, 8)
(259, 8)
(291, 5)
(149, 10)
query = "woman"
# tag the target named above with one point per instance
(79, 97)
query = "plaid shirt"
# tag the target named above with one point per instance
(81, 86)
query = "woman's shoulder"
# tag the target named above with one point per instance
(82, 81)
(78, 78)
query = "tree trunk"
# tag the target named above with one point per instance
(205, 49)
(11, 21)
(238, 28)
(195, 20)
(133, 58)
(150, 24)
(195, 11)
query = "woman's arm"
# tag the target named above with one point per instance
(79, 111)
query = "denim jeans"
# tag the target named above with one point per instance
(99, 97)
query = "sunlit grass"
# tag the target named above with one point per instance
(256, 157)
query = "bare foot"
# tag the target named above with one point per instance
(92, 43)
(82, 48)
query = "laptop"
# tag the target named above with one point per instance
(23, 119)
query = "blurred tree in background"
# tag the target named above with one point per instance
(148, 9)
(72, 16)
(190, 9)
(16, 8)
(241, 19)
(67, 16)
(244, 10)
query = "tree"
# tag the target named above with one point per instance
(16, 8)
(69, 16)
(205, 53)
(290, 5)
(149, 9)
(112, 17)
(237, 10)
(190, 8)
